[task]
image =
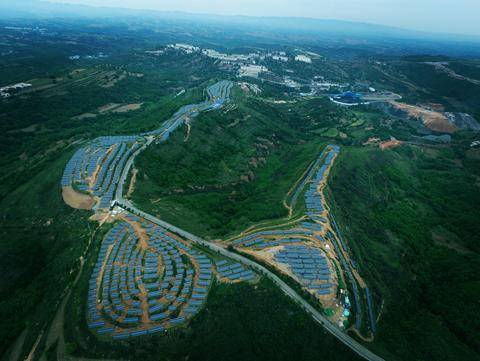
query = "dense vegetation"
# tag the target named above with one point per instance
(235, 168)
(411, 215)
(37, 253)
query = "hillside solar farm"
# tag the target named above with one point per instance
(147, 280)
(313, 252)
(97, 169)
(177, 186)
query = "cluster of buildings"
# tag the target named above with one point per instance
(187, 48)
(303, 58)
(6, 91)
(247, 64)
(100, 55)
(250, 87)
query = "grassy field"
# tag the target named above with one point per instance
(411, 216)
(234, 171)
(236, 168)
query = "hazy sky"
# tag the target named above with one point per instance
(449, 16)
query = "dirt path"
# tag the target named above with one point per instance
(189, 127)
(143, 297)
(394, 78)
(133, 180)
(288, 207)
(443, 67)
(366, 339)
(381, 310)
(18, 346)
(34, 348)
(254, 229)
(143, 237)
(56, 327)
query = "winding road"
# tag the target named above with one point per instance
(317, 316)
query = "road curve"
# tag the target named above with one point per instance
(317, 316)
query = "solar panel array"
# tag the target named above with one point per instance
(313, 198)
(138, 289)
(233, 271)
(351, 279)
(107, 154)
(309, 174)
(309, 265)
(264, 239)
(111, 153)
(337, 230)
(371, 312)
(219, 94)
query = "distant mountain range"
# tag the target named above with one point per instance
(321, 29)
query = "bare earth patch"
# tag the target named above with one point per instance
(30, 129)
(85, 116)
(432, 119)
(133, 180)
(389, 144)
(127, 107)
(108, 107)
(75, 199)
(445, 238)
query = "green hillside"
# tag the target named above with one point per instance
(411, 216)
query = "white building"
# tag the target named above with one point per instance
(303, 58)
(187, 48)
(251, 70)
(4, 91)
(280, 58)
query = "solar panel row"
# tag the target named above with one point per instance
(134, 289)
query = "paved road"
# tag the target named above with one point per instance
(126, 169)
(317, 316)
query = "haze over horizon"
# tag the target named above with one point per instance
(426, 15)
